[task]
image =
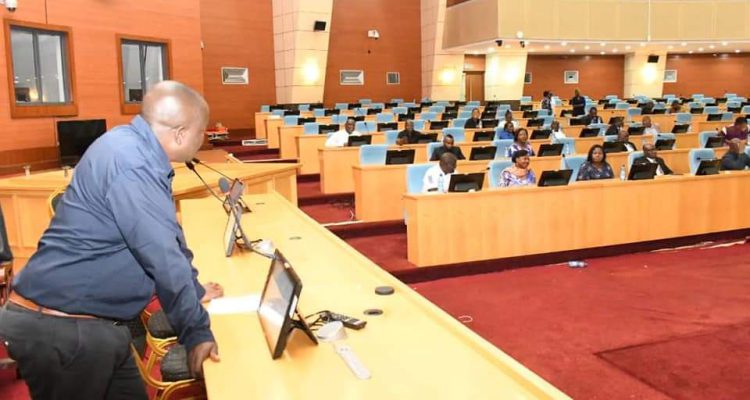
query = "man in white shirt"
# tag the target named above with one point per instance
(438, 176)
(649, 128)
(341, 138)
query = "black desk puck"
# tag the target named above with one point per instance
(384, 290)
(373, 311)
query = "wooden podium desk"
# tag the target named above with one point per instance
(379, 189)
(591, 214)
(336, 162)
(27, 215)
(414, 350)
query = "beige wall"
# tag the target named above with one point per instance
(461, 25)
(441, 70)
(503, 75)
(642, 77)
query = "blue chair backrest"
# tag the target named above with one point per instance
(703, 137)
(390, 137)
(496, 167)
(614, 101)
(711, 110)
(310, 128)
(574, 163)
(415, 176)
(379, 106)
(733, 103)
(360, 112)
(747, 150)
(542, 113)
(437, 109)
(745, 110)
(278, 112)
(526, 99)
(632, 156)
(459, 135)
(443, 103)
(291, 120)
(503, 108)
(696, 155)
(419, 124)
(384, 117)
(341, 106)
(622, 106)
(370, 154)
(366, 127)
(303, 107)
(431, 148)
(502, 146)
(727, 116)
(473, 103)
(634, 111)
(338, 119)
(610, 138)
(659, 106)
(569, 144)
(428, 116)
(459, 122)
(589, 106)
(547, 121)
(610, 96)
(365, 101)
(265, 108)
(471, 107)
(319, 112)
(397, 100)
(400, 110)
(697, 96)
(464, 114)
(730, 95)
(707, 100)
(683, 118)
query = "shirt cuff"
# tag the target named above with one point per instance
(198, 337)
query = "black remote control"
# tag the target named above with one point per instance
(349, 322)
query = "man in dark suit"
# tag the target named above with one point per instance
(650, 157)
(408, 135)
(475, 121)
(592, 117)
(447, 147)
(578, 103)
(624, 137)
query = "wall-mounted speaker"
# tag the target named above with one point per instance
(319, 26)
(653, 58)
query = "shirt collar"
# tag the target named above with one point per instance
(143, 129)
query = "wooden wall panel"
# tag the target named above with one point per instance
(598, 76)
(709, 74)
(238, 33)
(94, 24)
(398, 49)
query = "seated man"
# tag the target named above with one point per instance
(624, 137)
(447, 147)
(408, 135)
(475, 121)
(438, 176)
(649, 128)
(614, 128)
(734, 159)
(675, 107)
(736, 131)
(592, 117)
(647, 108)
(650, 157)
(341, 138)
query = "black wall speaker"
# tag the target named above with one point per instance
(652, 58)
(319, 26)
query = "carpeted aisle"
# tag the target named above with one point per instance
(565, 323)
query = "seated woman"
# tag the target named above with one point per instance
(521, 142)
(596, 166)
(518, 174)
(506, 132)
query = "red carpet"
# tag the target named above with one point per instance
(555, 320)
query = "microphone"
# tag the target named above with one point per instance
(224, 181)
(197, 161)
(191, 167)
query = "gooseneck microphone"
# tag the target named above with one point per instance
(191, 167)
(197, 161)
(225, 182)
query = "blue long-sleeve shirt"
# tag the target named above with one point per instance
(115, 240)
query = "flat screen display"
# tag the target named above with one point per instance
(74, 137)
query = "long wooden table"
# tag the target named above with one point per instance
(583, 215)
(414, 350)
(24, 199)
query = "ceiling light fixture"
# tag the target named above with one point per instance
(572, 50)
(643, 44)
(627, 47)
(602, 44)
(586, 47)
(737, 51)
(546, 47)
(700, 48)
(711, 47)
(724, 43)
(601, 52)
(683, 44)
(564, 43)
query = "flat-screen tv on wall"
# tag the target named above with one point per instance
(74, 137)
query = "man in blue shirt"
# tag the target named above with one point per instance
(113, 243)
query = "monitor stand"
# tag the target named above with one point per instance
(300, 323)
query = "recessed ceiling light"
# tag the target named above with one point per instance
(683, 44)
(670, 47)
(711, 47)
(546, 47)
(690, 52)
(700, 48)
(564, 43)
(643, 44)
(737, 51)
(586, 47)
(507, 46)
(490, 49)
(572, 50)
(614, 50)
(602, 44)
(532, 50)
(724, 43)
(601, 52)
(627, 47)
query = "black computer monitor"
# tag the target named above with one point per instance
(358, 118)
(427, 138)
(696, 110)
(354, 105)
(426, 104)
(278, 306)
(405, 117)
(680, 128)
(549, 150)
(525, 107)
(489, 114)
(391, 105)
(579, 121)
(394, 157)
(530, 114)
(734, 109)
(331, 111)
(489, 123)
(639, 172)
(484, 136)
(356, 141)
(664, 144)
(373, 111)
(614, 147)
(328, 128)
(534, 122)
(483, 153)
(636, 130)
(659, 111)
(439, 124)
(291, 112)
(614, 120)
(74, 137)
(714, 142)
(415, 110)
(609, 106)
(714, 117)
(555, 178)
(566, 113)
(302, 121)
(589, 132)
(466, 182)
(447, 116)
(541, 134)
(387, 126)
(452, 109)
(708, 167)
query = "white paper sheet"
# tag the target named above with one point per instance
(234, 305)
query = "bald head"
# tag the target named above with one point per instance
(178, 116)
(448, 162)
